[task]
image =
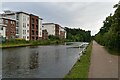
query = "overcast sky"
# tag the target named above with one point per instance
(84, 15)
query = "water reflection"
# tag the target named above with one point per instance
(39, 62)
(33, 59)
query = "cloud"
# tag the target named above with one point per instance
(84, 15)
(60, 0)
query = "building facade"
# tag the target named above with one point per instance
(52, 29)
(28, 26)
(55, 29)
(7, 28)
(62, 33)
(44, 34)
(23, 25)
(14, 16)
(2, 28)
(35, 27)
(10, 28)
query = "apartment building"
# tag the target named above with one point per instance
(62, 33)
(2, 28)
(24, 25)
(35, 27)
(44, 34)
(9, 22)
(14, 16)
(28, 26)
(55, 29)
(8, 28)
(52, 29)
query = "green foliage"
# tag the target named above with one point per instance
(16, 41)
(109, 34)
(2, 39)
(81, 68)
(52, 37)
(78, 35)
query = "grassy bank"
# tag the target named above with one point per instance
(30, 43)
(81, 68)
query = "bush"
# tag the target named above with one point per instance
(52, 37)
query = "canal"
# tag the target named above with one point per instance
(52, 61)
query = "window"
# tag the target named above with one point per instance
(32, 20)
(17, 17)
(6, 21)
(24, 25)
(27, 37)
(37, 27)
(32, 32)
(17, 31)
(24, 31)
(36, 32)
(27, 31)
(32, 26)
(27, 24)
(1, 28)
(37, 21)
(17, 24)
(32, 37)
(17, 36)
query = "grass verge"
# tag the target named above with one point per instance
(113, 51)
(81, 68)
(31, 43)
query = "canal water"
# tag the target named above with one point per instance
(52, 61)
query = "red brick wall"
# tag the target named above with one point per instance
(44, 35)
(34, 27)
(62, 34)
(10, 29)
(57, 29)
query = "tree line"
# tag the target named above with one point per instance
(109, 34)
(78, 35)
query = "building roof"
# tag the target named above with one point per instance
(8, 12)
(36, 16)
(23, 13)
(48, 23)
(7, 18)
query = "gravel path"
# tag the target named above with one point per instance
(103, 64)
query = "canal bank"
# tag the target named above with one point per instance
(49, 61)
(31, 43)
(81, 67)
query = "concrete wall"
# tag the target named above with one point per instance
(50, 28)
(2, 31)
(24, 25)
(40, 28)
